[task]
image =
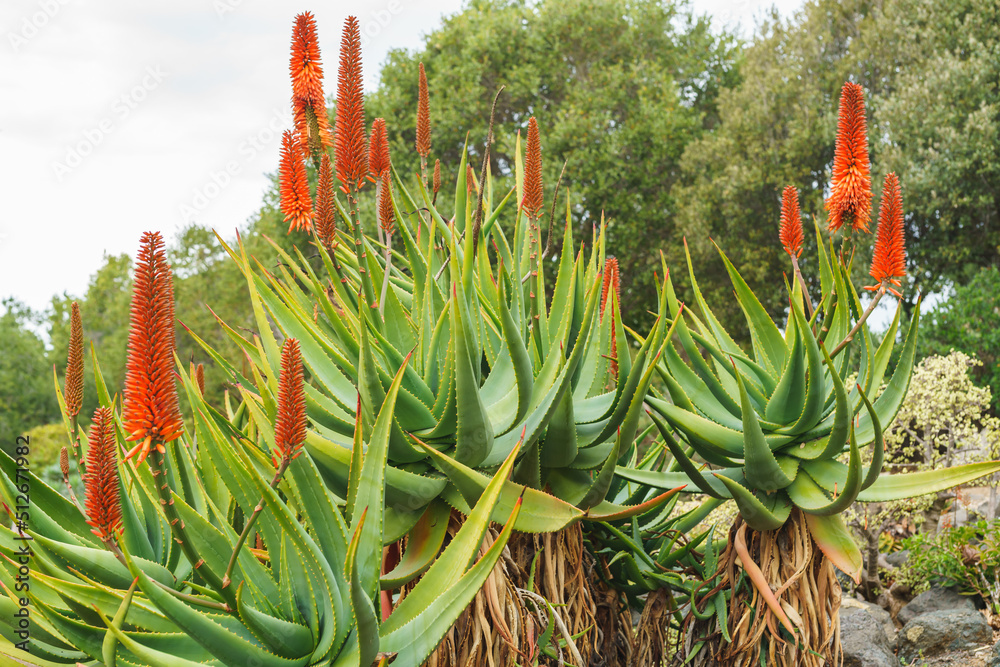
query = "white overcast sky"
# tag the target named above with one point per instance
(119, 116)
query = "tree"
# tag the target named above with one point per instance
(929, 72)
(618, 90)
(940, 119)
(969, 321)
(26, 393)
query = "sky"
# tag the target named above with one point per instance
(120, 117)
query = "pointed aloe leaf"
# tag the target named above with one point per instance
(785, 404)
(357, 463)
(686, 465)
(878, 446)
(812, 409)
(913, 484)
(753, 511)
(371, 487)
(768, 343)
(110, 647)
(891, 399)
(454, 561)
(846, 495)
(602, 482)
(720, 441)
(722, 338)
(834, 540)
(366, 623)
(760, 467)
(842, 416)
(100, 564)
(541, 512)
(414, 641)
(611, 512)
(290, 640)
(423, 543)
(559, 448)
(518, 353)
(474, 436)
(825, 273)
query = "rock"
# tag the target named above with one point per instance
(849, 606)
(994, 658)
(863, 640)
(897, 558)
(936, 599)
(938, 632)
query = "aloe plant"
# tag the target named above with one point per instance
(135, 577)
(781, 433)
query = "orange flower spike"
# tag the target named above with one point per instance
(470, 181)
(851, 190)
(423, 116)
(290, 428)
(199, 378)
(305, 66)
(611, 282)
(296, 204)
(103, 503)
(350, 140)
(532, 202)
(151, 414)
(64, 461)
(889, 259)
(386, 216)
(307, 83)
(73, 386)
(326, 223)
(791, 222)
(378, 150)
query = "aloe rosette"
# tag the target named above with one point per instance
(778, 430)
(497, 358)
(308, 597)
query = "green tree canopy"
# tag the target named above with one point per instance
(27, 398)
(930, 75)
(618, 89)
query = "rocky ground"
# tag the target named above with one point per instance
(937, 628)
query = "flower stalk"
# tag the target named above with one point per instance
(289, 434)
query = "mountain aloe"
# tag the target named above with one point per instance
(781, 432)
(510, 337)
(153, 570)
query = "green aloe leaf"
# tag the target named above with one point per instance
(878, 447)
(760, 468)
(366, 623)
(423, 543)
(754, 512)
(540, 513)
(413, 641)
(448, 569)
(371, 487)
(912, 484)
(768, 343)
(680, 456)
(835, 541)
